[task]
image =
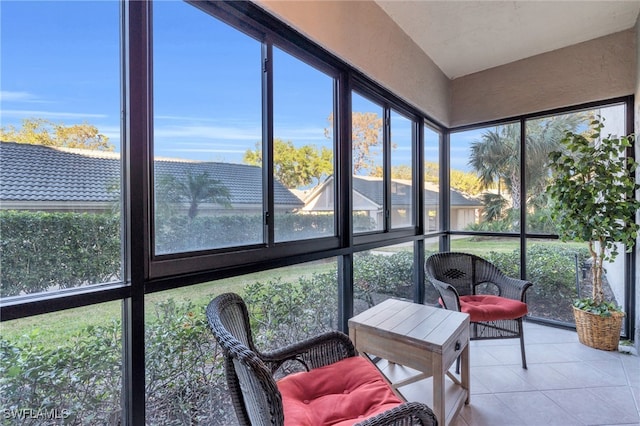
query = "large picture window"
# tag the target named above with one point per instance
(485, 179)
(207, 117)
(60, 163)
(432, 142)
(156, 154)
(303, 150)
(367, 146)
(401, 133)
(382, 152)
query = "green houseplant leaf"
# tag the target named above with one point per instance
(593, 199)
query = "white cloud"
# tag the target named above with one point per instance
(9, 96)
(20, 113)
(212, 150)
(209, 132)
(296, 134)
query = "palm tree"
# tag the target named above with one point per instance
(496, 159)
(496, 156)
(195, 189)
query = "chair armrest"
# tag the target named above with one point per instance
(317, 351)
(448, 294)
(408, 413)
(512, 288)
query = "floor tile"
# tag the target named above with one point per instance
(599, 405)
(566, 383)
(535, 408)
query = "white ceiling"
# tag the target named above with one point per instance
(463, 37)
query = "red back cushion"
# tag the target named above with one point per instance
(482, 307)
(340, 394)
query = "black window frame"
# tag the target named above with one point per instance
(145, 274)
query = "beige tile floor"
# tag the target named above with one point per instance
(566, 383)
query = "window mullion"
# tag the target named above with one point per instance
(386, 132)
(267, 142)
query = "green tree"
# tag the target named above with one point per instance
(366, 141)
(295, 167)
(593, 195)
(194, 189)
(496, 156)
(431, 171)
(466, 182)
(38, 131)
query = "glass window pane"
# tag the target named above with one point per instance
(184, 366)
(485, 179)
(207, 126)
(502, 251)
(367, 165)
(431, 179)
(303, 150)
(380, 274)
(573, 278)
(559, 271)
(63, 368)
(401, 171)
(543, 136)
(60, 165)
(431, 246)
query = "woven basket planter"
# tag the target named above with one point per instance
(598, 332)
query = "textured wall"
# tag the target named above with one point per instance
(636, 126)
(361, 34)
(594, 70)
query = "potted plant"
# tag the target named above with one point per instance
(593, 199)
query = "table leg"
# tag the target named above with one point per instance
(438, 390)
(465, 373)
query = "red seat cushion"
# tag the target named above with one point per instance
(342, 393)
(482, 307)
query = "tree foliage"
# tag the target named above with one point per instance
(38, 131)
(293, 166)
(593, 195)
(194, 189)
(366, 141)
(466, 182)
(496, 156)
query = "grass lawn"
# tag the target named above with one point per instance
(56, 328)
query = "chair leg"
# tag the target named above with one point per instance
(521, 332)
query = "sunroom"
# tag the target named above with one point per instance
(309, 156)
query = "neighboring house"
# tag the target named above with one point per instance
(368, 198)
(42, 178)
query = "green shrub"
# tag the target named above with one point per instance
(41, 251)
(82, 377)
(184, 376)
(180, 233)
(389, 274)
(284, 312)
(551, 268)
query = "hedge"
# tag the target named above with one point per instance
(47, 251)
(41, 251)
(184, 376)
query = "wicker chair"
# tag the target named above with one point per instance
(259, 399)
(468, 283)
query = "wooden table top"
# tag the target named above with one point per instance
(422, 326)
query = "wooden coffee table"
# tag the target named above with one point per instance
(423, 338)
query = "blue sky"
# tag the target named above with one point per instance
(61, 61)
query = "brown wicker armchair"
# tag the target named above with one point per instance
(495, 302)
(259, 399)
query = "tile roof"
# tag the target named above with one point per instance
(371, 188)
(42, 173)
